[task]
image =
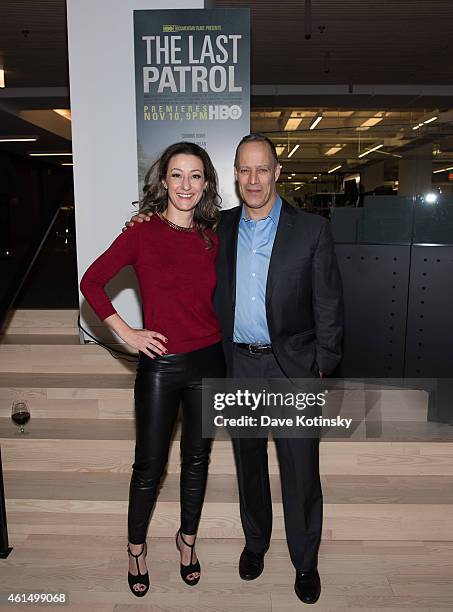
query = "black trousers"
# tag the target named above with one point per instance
(160, 385)
(299, 474)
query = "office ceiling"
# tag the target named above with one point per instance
(356, 49)
(352, 41)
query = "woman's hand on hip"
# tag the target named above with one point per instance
(147, 342)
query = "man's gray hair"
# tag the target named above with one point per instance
(256, 137)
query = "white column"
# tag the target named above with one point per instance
(101, 71)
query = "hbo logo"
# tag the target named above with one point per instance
(225, 112)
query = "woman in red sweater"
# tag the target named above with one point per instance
(174, 259)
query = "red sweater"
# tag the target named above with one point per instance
(176, 274)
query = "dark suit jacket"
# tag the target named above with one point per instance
(304, 306)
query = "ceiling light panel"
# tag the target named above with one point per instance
(265, 114)
(63, 112)
(317, 119)
(334, 149)
(50, 154)
(293, 150)
(293, 123)
(371, 150)
(371, 122)
(6, 139)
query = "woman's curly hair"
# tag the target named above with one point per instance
(207, 211)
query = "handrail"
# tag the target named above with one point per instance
(30, 266)
(5, 548)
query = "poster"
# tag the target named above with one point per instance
(192, 80)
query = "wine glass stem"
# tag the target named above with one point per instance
(22, 430)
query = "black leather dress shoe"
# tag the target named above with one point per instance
(251, 564)
(308, 586)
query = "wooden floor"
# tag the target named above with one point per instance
(356, 576)
(388, 492)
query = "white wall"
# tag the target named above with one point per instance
(101, 72)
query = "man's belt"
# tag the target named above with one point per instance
(256, 349)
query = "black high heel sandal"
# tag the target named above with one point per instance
(139, 578)
(186, 570)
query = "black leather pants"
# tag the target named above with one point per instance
(161, 384)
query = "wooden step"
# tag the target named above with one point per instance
(27, 339)
(69, 396)
(355, 507)
(20, 453)
(338, 489)
(221, 519)
(39, 322)
(109, 420)
(47, 404)
(105, 403)
(356, 576)
(105, 396)
(67, 383)
(77, 420)
(61, 359)
(71, 428)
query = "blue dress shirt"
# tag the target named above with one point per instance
(255, 242)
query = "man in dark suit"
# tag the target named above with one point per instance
(279, 299)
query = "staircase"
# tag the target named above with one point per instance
(69, 474)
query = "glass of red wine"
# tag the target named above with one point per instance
(20, 414)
